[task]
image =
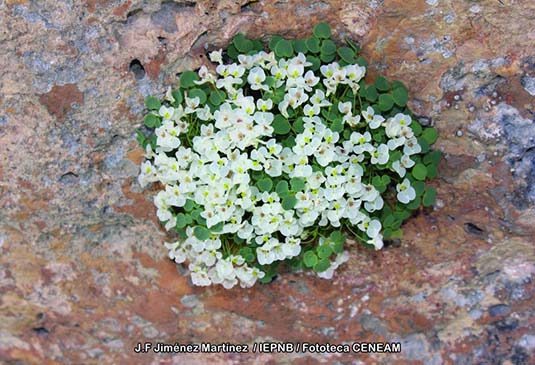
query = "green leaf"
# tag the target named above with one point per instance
(298, 125)
(429, 197)
(310, 259)
(419, 171)
(232, 52)
(141, 139)
(324, 251)
(297, 184)
(282, 188)
(416, 128)
(431, 171)
(377, 182)
(152, 121)
(190, 204)
(385, 102)
(217, 97)
(347, 54)
(418, 187)
(273, 42)
(284, 48)
(218, 227)
(187, 79)
(247, 254)
(197, 93)
(370, 93)
(337, 125)
(181, 221)
(361, 61)
(353, 45)
(327, 58)
(280, 125)
(400, 96)
(289, 202)
(337, 236)
(338, 246)
(430, 135)
(387, 222)
(432, 158)
(242, 44)
(396, 84)
(152, 103)
(313, 45)
(257, 46)
(264, 184)
(328, 47)
(315, 61)
(415, 204)
(322, 265)
(300, 46)
(201, 233)
(322, 30)
(177, 95)
(424, 144)
(381, 83)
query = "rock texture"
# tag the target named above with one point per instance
(83, 275)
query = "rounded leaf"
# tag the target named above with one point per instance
(430, 135)
(322, 30)
(297, 184)
(419, 171)
(381, 83)
(328, 47)
(310, 259)
(300, 46)
(313, 45)
(201, 233)
(284, 48)
(264, 184)
(322, 265)
(347, 54)
(197, 93)
(152, 121)
(400, 96)
(152, 103)
(280, 125)
(429, 197)
(217, 97)
(324, 251)
(187, 79)
(385, 102)
(289, 202)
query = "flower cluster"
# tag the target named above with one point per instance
(266, 159)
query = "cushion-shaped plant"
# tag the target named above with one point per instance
(270, 157)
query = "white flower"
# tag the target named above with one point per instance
(340, 259)
(373, 229)
(412, 147)
(345, 108)
(377, 241)
(199, 275)
(256, 77)
(406, 192)
(380, 155)
(216, 56)
(373, 120)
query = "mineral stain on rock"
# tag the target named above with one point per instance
(59, 100)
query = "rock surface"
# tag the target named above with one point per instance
(84, 276)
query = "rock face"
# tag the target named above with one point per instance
(84, 276)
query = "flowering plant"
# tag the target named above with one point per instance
(267, 157)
